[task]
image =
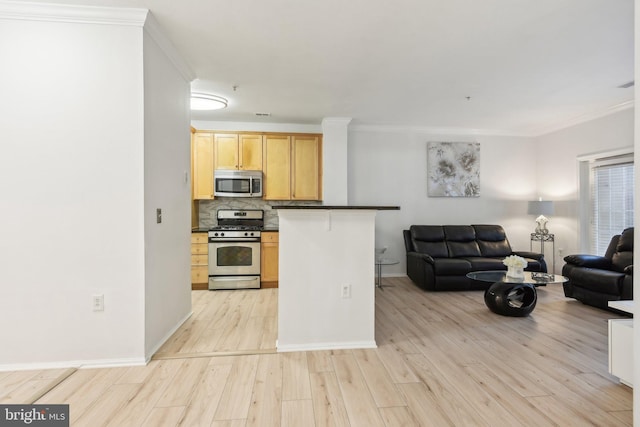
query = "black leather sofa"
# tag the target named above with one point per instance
(596, 280)
(440, 256)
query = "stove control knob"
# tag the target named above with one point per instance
(221, 234)
(215, 234)
(246, 234)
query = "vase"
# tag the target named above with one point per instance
(515, 272)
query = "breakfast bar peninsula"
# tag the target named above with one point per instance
(326, 284)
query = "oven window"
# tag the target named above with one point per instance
(232, 185)
(230, 256)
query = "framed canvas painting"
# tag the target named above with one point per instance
(453, 169)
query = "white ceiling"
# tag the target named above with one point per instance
(528, 66)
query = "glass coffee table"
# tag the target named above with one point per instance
(536, 279)
(510, 296)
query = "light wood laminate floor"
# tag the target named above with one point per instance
(226, 322)
(443, 359)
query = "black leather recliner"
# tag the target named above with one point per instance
(596, 280)
(440, 256)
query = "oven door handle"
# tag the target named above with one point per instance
(233, 240)
(235, 279)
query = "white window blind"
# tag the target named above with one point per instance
(611, 200)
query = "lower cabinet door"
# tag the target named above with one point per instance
(621, 349)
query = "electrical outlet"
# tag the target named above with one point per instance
(98, 302)
(346, 291)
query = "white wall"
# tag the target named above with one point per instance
(167, 186)
(334, 153)
(390, 168)
(320, 251)
(71, 179)
(557, 170)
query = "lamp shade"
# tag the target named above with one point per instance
(540, 207)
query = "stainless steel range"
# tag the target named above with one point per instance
(234, 249)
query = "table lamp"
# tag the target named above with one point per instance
(541, 207)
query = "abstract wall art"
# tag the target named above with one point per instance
(453, 169)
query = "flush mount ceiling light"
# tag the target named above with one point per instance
(205, 101)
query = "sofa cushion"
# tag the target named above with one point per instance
(494, 249)
(492, 241)
(461, 241)
(590, 261)
(429, 239)
(484, 263)
(602, 281)
(451, 266)
(534, 265)
(625, 243)
(623, 256)
(463, 249)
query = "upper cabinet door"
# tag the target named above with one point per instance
(202, 151)
(226, 151)
(250, 149)
(277, 167)
(306, 167)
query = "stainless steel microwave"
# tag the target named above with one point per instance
(237, 183)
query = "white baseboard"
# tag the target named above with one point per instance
(326, 346)
(166, 337)
(77, 364)
(97, 363)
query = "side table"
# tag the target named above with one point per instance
(544, 238)
(379, 263)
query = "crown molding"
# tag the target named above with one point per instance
(137, 17)
(337, 120)
(498, 132)
(439, 130)
(27, 11)
(586, 118)
(152, 27)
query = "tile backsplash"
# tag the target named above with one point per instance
(208, 209)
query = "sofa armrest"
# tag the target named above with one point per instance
(526, 254)
(418, 255)
(629, 270)
(589, 261)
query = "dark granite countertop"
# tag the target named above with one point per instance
(332, 207)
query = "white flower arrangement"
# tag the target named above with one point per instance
(515, 261)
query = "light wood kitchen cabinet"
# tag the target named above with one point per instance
(305, 168)
(269, 259)
(238, 151)
(277, 167)
(199, 261)
(202, 163)
(292, 167)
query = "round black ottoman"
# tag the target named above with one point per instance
(511, 299)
